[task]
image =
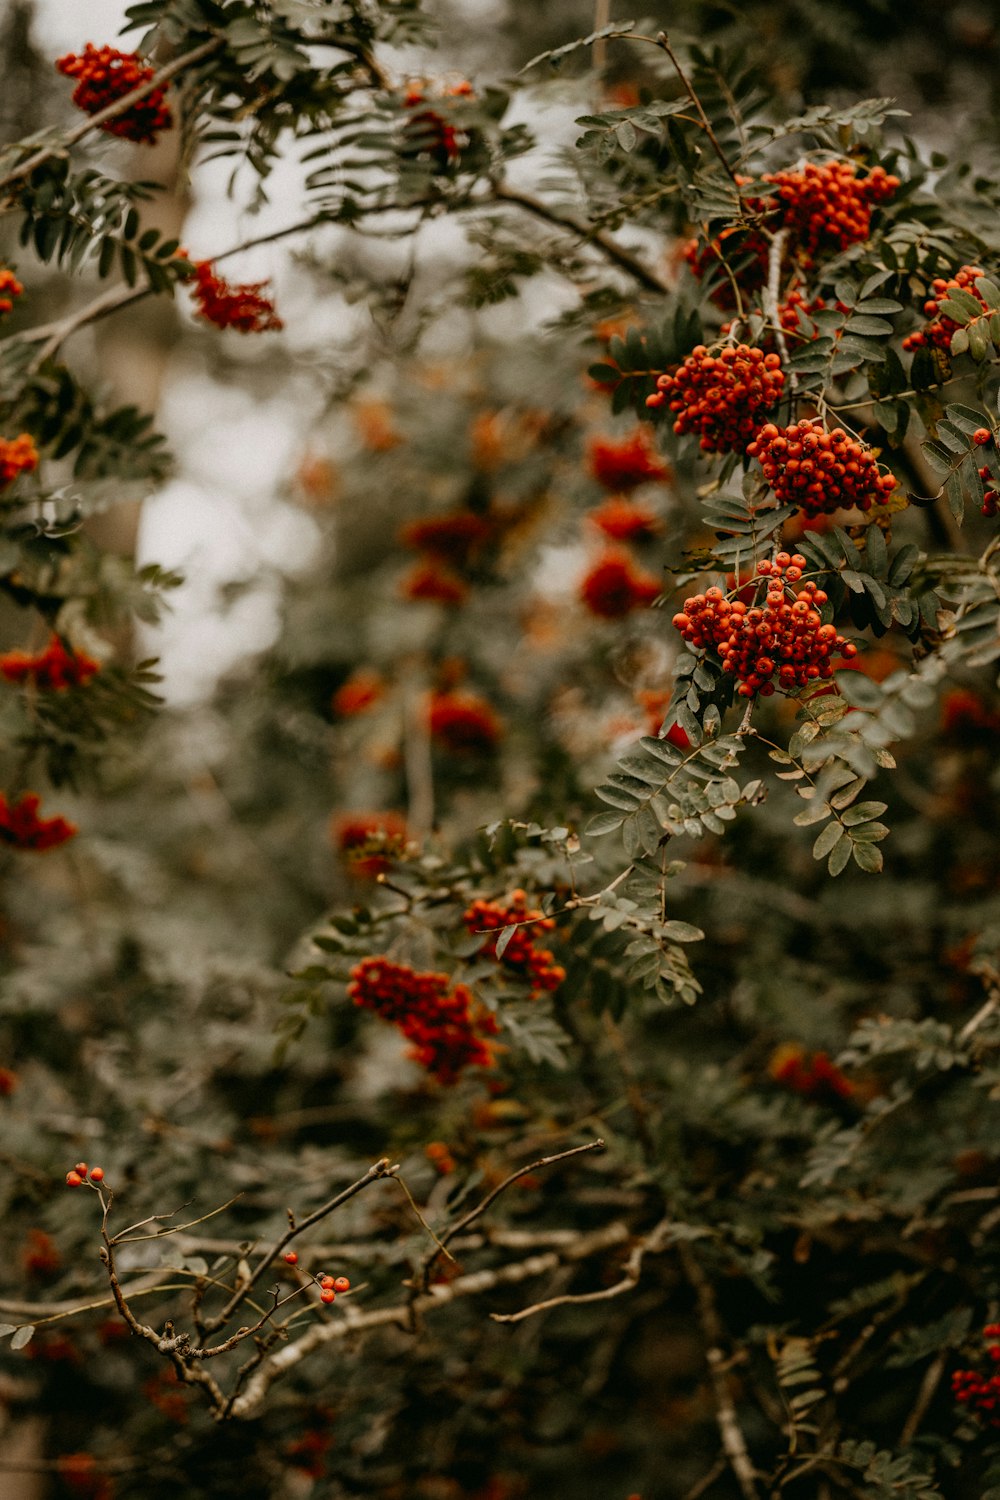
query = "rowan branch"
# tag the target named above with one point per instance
(111, 111)
(650, 1244)
(608, 246)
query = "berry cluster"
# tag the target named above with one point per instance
(819, 471)
(940, 330)
(52, 670)
(227, 306)
(536, 964)
(329, 1285)
(813, 1076)
(981, 1393)
(780, 643)
(17, 456)
(615, 586)
(21, 826)
(624, 520)
(429, 133)
(369, 841)
(362, 690)
(10, 288)
(80, 1174)
(106, 75)
(825, 207)
(623, 465)
(433, 582)
(463, 722)
(722, 398)
(437, 1020)
(455, 536)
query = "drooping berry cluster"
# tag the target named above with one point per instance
(819, 471)
(228, 306)
(624, 520)
(329, 1286)
(536, 964)
(981, 1393)
(51, 670)
(780, 642)
(940, 330)
(81, 1173)
(825, 207)
(10, 288)
(437, 1020)
(17, 456)
(463, 722)
(616, 585)
(106, 75)
(812, 1075)
(723, 398)
(430, 133)
(622, 465)
(21, 826)
(369, 841)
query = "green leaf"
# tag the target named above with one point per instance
(830, 835)
(682, 932)
(863, 811)
(837, 862)
(867, 857)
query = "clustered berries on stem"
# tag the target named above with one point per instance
(21, 826)
(722, 398)
(616, 585)
(329, 1286)
(10, 288)
(242, 307)
(51, 670)
(428, 132)
(814, 1075)
(824, 207)
(17, 456)
(939, 332)
(520, 954)
(780, 642)
(463, 722)
(819, 471)
(622, 464)
(81, 1174)
(981, 1393)
(105, 75)
(983, 438)
(438, 1020)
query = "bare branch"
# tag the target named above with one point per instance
(608, 246)
(650, 1244)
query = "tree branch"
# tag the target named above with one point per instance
(609, 247)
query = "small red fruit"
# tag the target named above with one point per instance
(341, 1284)
(73, 1179)
(328, 1295)
(327, 1282)
(291, 1258)
(982, 436)
(81, 1167)
(97, 1174)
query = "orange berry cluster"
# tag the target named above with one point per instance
(10, 288)
(622, 465)
(815, 1076)
(825, 207)
(369, 841)
(17, 456)
(437, 1020)
(81, 1174)
(21, 826)
(723, 397)
(616, 585)
(819, 471)
(105, 75)
(463, 722)
(624, 520)
(228, 306)
(981, 1393)
(52, 670)
(536, 964)
(939, 331)
(782, 643)
(329, 1285)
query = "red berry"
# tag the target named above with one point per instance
(291, 1258)
(73, 1179)
(328, 1295)
(81, 1167)
(326, 1282)
(982, 436)
(97, 1174)
(341, 1284)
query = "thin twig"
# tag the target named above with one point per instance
(663, 42)
(605, 243)
(491, 1197)
(650, 1244)
(929, 1384)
